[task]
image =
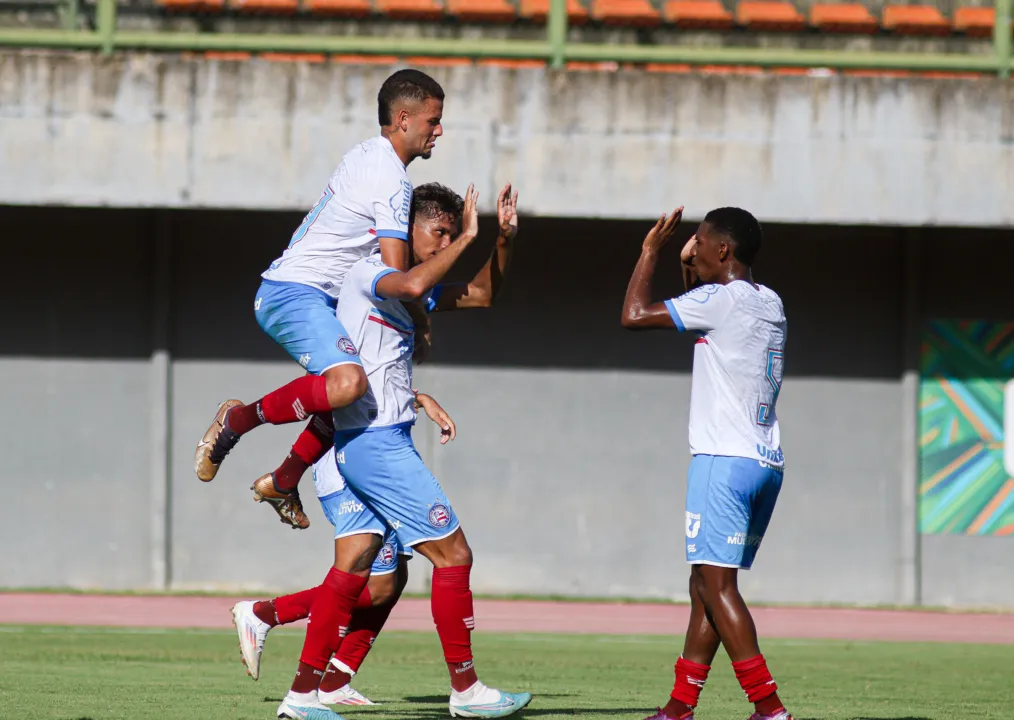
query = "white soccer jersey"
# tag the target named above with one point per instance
(384, 334)
(367, 197)
(738, 361)
(327, 478)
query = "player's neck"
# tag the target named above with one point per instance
(734, 273)
(397, 143)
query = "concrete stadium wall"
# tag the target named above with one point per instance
(167, 131)
(130, 326)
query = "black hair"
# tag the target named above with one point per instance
(739, 226)
(434, 200)
(410, 85)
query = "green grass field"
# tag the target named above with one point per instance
(111, 674)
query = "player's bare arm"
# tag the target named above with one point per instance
(394, 253)
(639, 312)
(422, 278)
(485, 286)
(448, 431)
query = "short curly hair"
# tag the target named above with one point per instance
(434, 200)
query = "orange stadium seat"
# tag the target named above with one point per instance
(632, 13)
(689, 14)
(915, 20)
(482, 10)
(762, 15)
(538, 10)
(192, 5)
(975, 21)
(411, 9)
(852, 18)
(273, 7)
(340, 8)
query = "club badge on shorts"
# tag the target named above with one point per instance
(387, 557)
(346, 346)
(439, 516)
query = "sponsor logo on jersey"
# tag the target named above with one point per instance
(401, 201)
(439, 516)
(767, 453)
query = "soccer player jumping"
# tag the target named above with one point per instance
(365, 205)
(736, 469)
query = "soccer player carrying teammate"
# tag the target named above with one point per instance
(365, 205)
(436, 217)
(736, 469)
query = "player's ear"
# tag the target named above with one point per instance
(402, 116)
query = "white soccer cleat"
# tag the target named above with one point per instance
(344, 696)
(252, 632)
(299, 706)
(480, 701)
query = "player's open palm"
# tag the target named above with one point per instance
(663, 231)
(507, 212)
(438, 415)
(470, 213)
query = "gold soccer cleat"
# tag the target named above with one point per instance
(216, 444)
(288, 505)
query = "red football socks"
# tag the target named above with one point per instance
(289, 608)
(365, 626)
(329, 617)
(265, 612)
(690, 679)
(451, 602)
(298, 400)
(311, 445)
(759, 686)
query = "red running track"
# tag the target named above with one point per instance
(526, 617)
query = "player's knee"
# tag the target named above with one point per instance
(459, 553)
(401, 576)
(345, 385)
(713, 581)
(383, 589)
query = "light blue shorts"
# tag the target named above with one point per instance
(729, 505)
(384, 469)
(302, 320)
(351, 516)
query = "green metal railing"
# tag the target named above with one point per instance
(555, 48)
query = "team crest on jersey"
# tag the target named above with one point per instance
(387, 556)
(439, 516)
(346, 346)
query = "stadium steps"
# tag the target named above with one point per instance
(750, 16)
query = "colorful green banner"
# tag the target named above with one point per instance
(965, 486)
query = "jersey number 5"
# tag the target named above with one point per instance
(311, 216)
(773, 374)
